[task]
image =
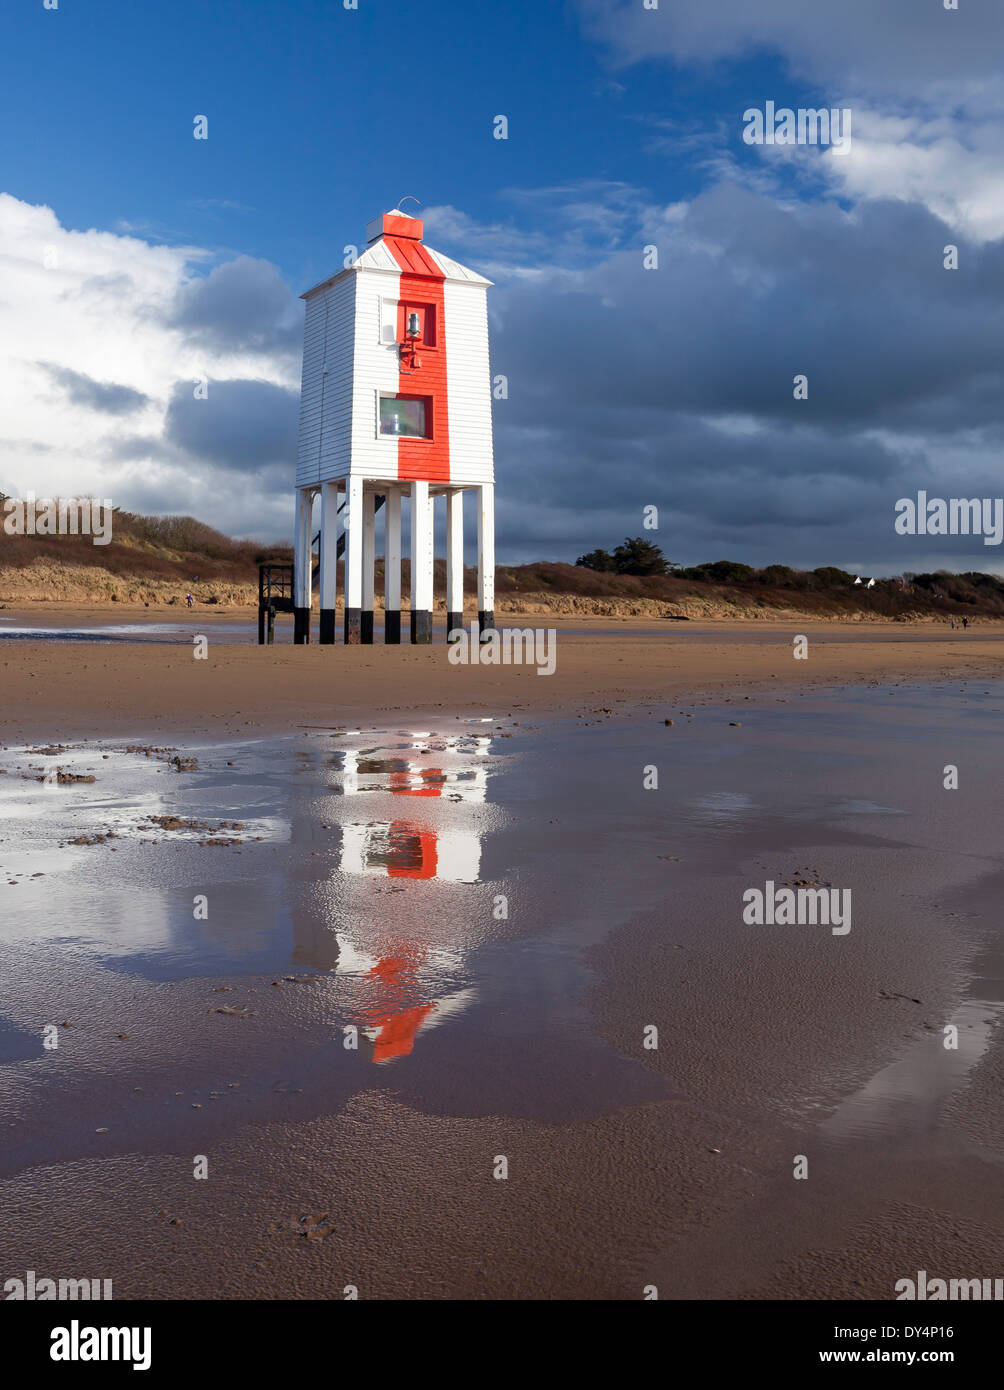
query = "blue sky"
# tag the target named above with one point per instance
(321, 116)
(624, 131)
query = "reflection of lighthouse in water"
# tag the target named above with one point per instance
(402, 848)
(397, 1008)
(396, 1000)
(396, 1004)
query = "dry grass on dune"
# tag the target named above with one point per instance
(158, 560)
(151, 560)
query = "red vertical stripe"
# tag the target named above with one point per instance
(422, 281)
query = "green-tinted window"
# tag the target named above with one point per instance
(403, 415)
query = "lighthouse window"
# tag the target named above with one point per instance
(404, 416)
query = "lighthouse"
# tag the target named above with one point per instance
(395, 413)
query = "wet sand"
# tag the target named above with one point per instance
(365, 880)
(80, 689)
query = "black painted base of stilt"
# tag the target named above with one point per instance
(301, 626)
(366, 626)
(421, 626)
(486, 620)
(392, 629)
(453, 622)
(353, 626)
(327, 632)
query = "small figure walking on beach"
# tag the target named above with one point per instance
(965, 624)
(189, 599)
(953, 624)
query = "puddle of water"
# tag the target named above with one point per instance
(441, 887)
(241, 632)
(907, 1097)
(393, 820)
(857, 807)
(176, 633)
(18, 1045)
(723, 808)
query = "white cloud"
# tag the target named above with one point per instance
(96, 339)
(949, 164)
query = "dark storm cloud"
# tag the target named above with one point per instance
(775, 496)
(748, 294)
(106, 396)
(241, 306)
(135, 448)
(675, 386)
(246, 426)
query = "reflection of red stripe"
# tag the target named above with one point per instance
(423, 281)
(412, 852)
(397, 1036)
(398, 1027)
(431, 783)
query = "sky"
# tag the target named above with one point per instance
(135, 259)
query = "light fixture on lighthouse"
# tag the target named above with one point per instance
(409, 348)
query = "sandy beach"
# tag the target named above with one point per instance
(353, 817)
(78, 691)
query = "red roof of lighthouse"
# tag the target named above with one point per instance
(395, 244)
(394, 223)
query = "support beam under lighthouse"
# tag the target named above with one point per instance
(329, 560)
(454, 560)
(486, 556)
(353, 517)
(369, 564)
(421, 563)
(303, 565)
(392, 569)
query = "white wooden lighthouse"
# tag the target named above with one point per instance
(395, 404)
